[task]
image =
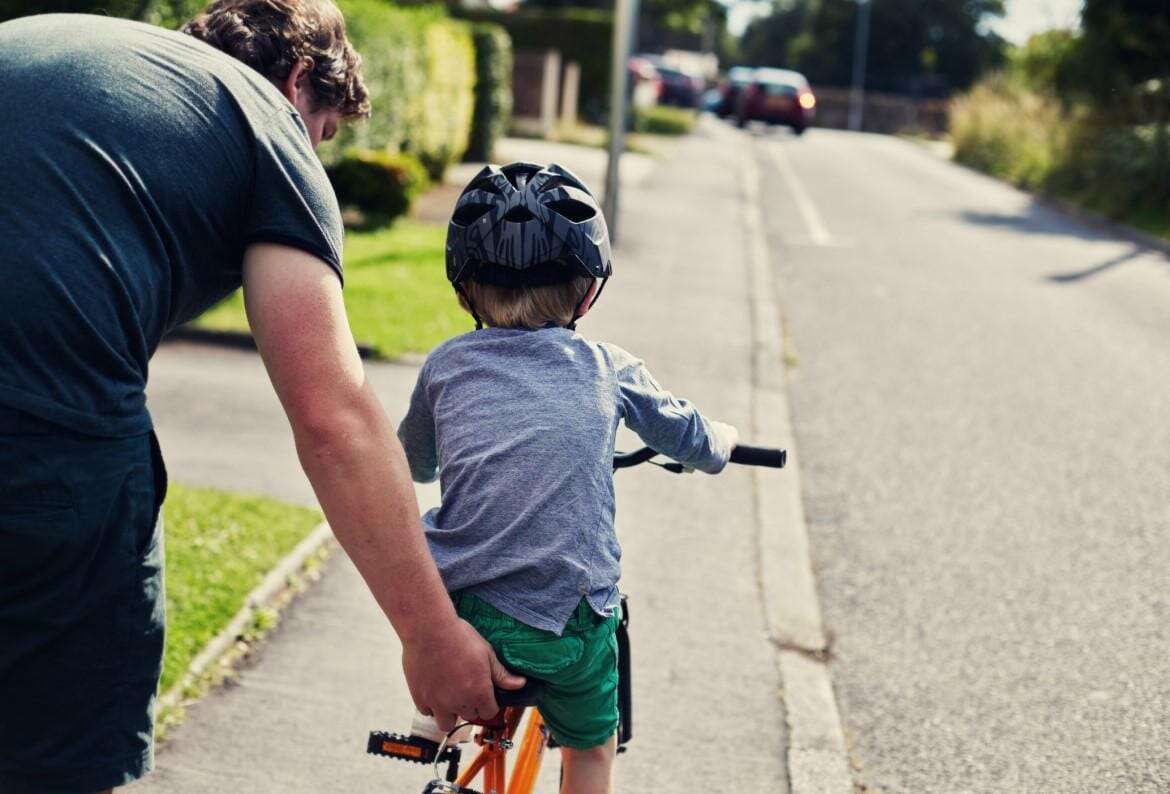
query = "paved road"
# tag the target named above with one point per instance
(708, 716)
(980, 405)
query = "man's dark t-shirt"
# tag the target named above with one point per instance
(136, 165)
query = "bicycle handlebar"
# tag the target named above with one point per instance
(759, 456)
(741, 453)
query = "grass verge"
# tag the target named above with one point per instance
(396, 291)
(219, 546)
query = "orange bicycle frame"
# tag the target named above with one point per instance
(492, 759)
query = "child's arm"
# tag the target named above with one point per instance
(417, 434)
(671, 426)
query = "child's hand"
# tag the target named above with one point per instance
(451, 672)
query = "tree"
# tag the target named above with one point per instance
(916, 46)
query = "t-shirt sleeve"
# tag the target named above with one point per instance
(292, 201)
(417, 434)
(667, 424)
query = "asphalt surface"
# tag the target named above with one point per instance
(979, 395)
(708, 716)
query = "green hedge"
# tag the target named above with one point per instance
(419, 67)
(379, 185)
(493, 89)
(661, 120)
(580, 34)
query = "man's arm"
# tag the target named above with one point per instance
(356, 466)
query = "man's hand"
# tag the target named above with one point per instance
(447, 673)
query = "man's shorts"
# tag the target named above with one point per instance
(580, 703)
(81, 607)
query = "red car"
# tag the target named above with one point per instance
(777, 96)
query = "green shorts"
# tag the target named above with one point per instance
(580, 703)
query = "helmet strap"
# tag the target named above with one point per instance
(572, 326)
(470, 305)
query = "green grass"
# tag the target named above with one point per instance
(664, 120)
(396, 291)
(219, 546)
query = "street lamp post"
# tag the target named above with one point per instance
(625, 12)
(860, 53)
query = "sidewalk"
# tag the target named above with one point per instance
(708, 715)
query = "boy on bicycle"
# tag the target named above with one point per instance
(518, 420)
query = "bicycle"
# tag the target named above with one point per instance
(497, 735)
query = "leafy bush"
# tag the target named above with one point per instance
(1010, 132)
(583, 35)
(493, 89)
(420, 71)
(381, 186)
(660, 120)
(1070, 151)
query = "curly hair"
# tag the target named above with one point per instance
(272, 35)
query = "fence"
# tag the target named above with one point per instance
(886, 113)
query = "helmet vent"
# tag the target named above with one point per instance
(518, 214)
(469, 213)
(576, 211)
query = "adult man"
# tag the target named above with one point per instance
(148, 174)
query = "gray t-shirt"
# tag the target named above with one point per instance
(137, 164)
(519, 427)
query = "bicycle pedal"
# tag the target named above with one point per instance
(404, 748)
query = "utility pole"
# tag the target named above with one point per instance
(860, 52)
(624, 21)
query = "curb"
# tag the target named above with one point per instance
(274, 582)
(816, 753)
(237, 340)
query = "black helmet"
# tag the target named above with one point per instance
(527, 225)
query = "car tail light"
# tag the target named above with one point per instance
(807, 100)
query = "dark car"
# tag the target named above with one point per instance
(679, 88)
(738, 77)
(777, 96)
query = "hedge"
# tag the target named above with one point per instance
(380, 185)
(419, 67)
(583, 35)
(493, 89)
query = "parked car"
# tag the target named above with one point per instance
(645, 84)
(777, 96)
(679, 88)
(737, 78)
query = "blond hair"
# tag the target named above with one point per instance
(526, 307)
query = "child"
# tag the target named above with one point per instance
(518, 421)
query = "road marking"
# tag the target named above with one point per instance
(817, 231)
(816, 755)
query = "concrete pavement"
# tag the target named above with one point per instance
(709, 715)
(980, 404)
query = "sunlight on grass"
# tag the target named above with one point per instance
(219, 546)
(396, 291)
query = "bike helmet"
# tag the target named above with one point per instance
(526, 225)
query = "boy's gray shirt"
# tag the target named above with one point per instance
(519, 427)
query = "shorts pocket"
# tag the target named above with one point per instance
(542, 656)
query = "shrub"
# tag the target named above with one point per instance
(419, 68)
(1087, 156)
(381, 186)
(1010, 132)
(493, 89)
(659, 120)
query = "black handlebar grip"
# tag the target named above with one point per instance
(526, 695)
(759, 456)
